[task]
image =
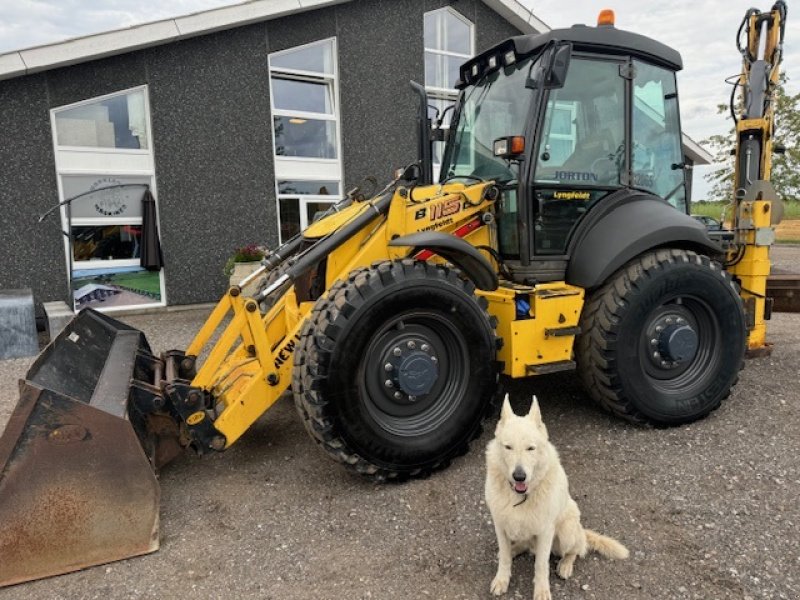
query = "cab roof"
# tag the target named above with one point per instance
(603, 39)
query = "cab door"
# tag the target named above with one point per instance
(582, 154)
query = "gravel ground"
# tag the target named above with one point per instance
(708, 510)
(785, 258)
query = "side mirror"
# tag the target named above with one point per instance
(559, 65)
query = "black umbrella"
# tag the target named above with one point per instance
(151, 257)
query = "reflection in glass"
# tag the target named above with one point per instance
(317, 58)
(305, 96)
(492, 109)
(311, 138)
(313, 188)
(106, 242)
(289, 217)
(656, 134)
(115, 287)
(585, 127)
(116, 122)
(314, 210)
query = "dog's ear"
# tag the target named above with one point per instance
(506, 412)
(535, 415)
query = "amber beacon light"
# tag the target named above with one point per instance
(606, 17)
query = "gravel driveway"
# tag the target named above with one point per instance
(708, 511)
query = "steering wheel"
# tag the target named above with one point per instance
(493, 171)
(604, 169)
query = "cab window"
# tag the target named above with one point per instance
(584, 128)
(581, 154)
(657, 154)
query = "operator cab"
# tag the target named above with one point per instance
(593, 110)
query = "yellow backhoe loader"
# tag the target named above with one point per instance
(557, 237)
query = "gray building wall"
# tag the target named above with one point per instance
(210, 113)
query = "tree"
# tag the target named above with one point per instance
(785, 168)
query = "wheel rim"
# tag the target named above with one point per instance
(414, 373)
(678, 345)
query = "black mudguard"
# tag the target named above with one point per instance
(457, 251)
(636, 223)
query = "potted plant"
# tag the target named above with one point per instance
(242, 263)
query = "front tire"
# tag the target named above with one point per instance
(396, 369)
(663, 340)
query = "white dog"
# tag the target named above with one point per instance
(528, 495)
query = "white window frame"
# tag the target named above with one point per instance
(450, 92)
(439, 93)
(304, 199)
(298, 167)
(106, 162)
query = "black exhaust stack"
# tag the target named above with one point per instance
(424, 151)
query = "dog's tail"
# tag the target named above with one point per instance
(608, 547)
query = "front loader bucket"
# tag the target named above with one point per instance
(76, 487)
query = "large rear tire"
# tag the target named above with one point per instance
(663, 340)
(396, 369)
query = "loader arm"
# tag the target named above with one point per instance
(249, 366)
(248, 356)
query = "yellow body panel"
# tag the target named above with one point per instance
(546, 336)
(753, 268)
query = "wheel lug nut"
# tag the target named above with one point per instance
(388, 383)
(434, 359)
(664, 363)
(653, 342)
(411, 345)
(680, 321)
(412, 398)
(669, 320)
(425, 347)
(398, 396)
(397, 351)
(659, 328)
(388, 367)
(656, 355)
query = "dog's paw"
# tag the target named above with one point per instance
(565, 566)
(542, 593)
(499, 584)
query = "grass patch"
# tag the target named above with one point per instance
(787, 232)
(791, 210)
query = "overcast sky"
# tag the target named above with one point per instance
(702, 30)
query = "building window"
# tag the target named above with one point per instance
(114, 122)
(304, 98)
(449, 42)
(301, 202)
(108, 184)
